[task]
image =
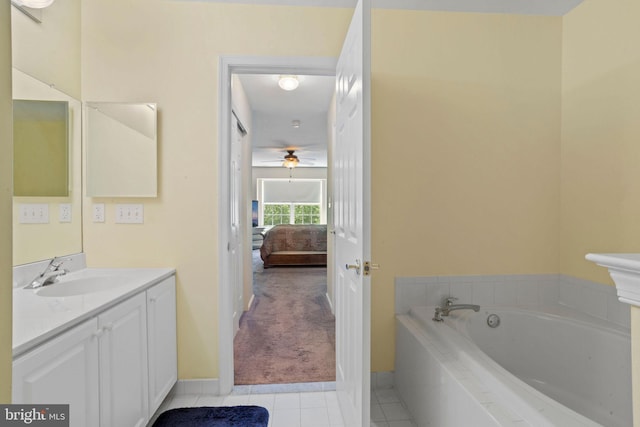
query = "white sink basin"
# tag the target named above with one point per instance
(80, 286)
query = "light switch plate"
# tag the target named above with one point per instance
(130, 214)
(34, 213)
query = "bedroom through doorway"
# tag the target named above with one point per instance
(285, 330)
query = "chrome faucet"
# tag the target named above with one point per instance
(448, 306)
(50, 274)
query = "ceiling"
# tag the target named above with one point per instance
(274, 111)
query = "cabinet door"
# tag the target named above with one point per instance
(161, 333)
(62, 371)
(123, 364)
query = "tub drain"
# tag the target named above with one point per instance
(493, 320)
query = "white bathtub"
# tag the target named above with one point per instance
(556, 368)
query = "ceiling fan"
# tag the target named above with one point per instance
(290, 160)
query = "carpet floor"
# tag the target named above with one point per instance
(288, 335)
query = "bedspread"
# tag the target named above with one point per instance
(298, 237)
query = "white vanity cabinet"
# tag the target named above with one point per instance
(161, 339)
(123, 364)
(114, 369)
(63, 370)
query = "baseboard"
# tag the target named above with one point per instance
(382, 380)
(330, 304)
(196, 386)
(379, 380)
(253, 297)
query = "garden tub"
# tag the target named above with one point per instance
(511, 366)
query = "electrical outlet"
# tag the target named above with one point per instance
(64, 213)
(129, 214)
(34, 213)
(98, 212)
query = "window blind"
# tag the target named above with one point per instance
(294, 191)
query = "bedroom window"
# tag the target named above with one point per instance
(291, 201)
(276, 214)
(306, 214)
(291, 213)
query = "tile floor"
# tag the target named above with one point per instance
(299, 406)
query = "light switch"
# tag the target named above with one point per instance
(130, 214)
(34, 213)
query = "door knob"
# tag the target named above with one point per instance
(355, 266)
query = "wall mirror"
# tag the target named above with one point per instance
(40, 148)
(121, 149)
(41, 110)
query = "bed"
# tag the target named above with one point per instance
(295, 245)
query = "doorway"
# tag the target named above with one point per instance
(287, 330)
(242, 66)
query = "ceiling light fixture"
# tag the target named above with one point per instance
(288, 82)
(34, 4)
(290, 160)
(295, 124)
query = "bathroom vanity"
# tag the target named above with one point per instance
(101, 340)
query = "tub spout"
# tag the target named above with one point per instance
(444, 311)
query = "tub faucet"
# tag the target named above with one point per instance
(50, 274)
(448, 306)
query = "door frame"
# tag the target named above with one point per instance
(228, 65)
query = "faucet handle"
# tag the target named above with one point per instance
(449, 301)
(57, 262)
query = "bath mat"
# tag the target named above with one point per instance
(209, 416)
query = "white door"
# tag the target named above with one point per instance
(235, 242)
(352, 220)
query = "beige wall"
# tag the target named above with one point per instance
(6, 192)
(600, 134)
(466, 144)
(600, 149)
(168, 52)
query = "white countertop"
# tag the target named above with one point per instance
(38, 318)
(630, 262)
(624, 269)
